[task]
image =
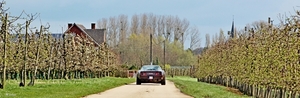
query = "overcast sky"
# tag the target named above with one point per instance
(208, 15)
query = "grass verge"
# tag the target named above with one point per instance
(191, 87)
(62, 88)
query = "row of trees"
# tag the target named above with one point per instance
(29, 54)
(130, 39)
(262, 61)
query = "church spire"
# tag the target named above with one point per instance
(232, 28)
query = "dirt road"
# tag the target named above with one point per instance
(146, 90)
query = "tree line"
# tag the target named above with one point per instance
(262, 60)
(33, 53)
(130, 39)
(30, 53)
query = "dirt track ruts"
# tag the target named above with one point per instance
(146, 90)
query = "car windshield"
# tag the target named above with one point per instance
(151, 67)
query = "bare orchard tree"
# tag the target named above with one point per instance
(123, 27)
(144, 25)
(215, 40)
(168, 28)
(177, 28)
(222, 37)
(181, 28)
(207, 41)
(195, 38)
(112, 33)
(102, 24)
(160, 26)
(152, 23)
(184, 25)
(134, 28)
(259, 25)
(123, 34)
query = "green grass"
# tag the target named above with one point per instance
(62, 88)
(191, 87)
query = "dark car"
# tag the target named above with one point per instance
(150, 74)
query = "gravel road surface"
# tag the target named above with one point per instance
(146, 90)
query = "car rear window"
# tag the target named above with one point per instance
(151, 67)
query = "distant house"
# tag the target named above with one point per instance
(97, 36)
(198, 51)
(57, 36)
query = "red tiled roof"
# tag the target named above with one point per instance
(97, 35)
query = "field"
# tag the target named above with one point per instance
(196, 89)
(62, 88)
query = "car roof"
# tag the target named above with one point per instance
(150, 65)
(146, 67)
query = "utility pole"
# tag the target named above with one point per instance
(165, 54)
(166, 38)
(151, 51)
(182, 41)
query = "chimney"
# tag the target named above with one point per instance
(93, 25)
(69, 25)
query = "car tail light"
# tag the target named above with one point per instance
(143, 74)
(157, 73)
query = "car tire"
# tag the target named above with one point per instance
(138, 81)
(163, 82)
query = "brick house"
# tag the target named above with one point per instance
(96, 36)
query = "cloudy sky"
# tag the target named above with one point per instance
(208, 15)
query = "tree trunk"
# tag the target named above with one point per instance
(36, 60)
(23, 76)
(61, 74)
(49, 72)
(4, 28)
